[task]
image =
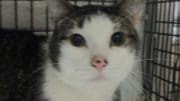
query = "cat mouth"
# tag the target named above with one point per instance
(100, 77)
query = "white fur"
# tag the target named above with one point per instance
(76, 80)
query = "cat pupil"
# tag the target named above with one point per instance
(117, 38)
(77, 40)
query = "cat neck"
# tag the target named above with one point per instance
(55, 89)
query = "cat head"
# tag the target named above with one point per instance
(94, 43)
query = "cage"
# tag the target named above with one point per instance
(161, 48)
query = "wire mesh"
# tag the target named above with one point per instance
(162, 50)
(161, 55)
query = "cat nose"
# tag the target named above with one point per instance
(99, 63)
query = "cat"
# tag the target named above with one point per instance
(91, 55)
(93, 52)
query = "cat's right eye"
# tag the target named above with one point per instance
(77, 40)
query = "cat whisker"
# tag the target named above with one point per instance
(33, 73)
(140, 77)
(74, 64)
(156, 59)
(147, 81)
(144, 74)
(133, 83)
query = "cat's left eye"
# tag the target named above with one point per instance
(77, 40)
(117, 38)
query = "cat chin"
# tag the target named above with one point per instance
(91, 82)
(90, 77)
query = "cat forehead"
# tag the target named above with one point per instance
(99, 24)
(93, 20)
(90, 10)
(80, 14)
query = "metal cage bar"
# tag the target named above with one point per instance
(162, 44)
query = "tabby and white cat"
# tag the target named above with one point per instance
(93, 52)
(91, 56)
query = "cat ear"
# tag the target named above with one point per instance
(58, 9)
(135, 8)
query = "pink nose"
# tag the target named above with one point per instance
(99, 63)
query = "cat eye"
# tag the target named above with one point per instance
(117, 38)
(77, 40)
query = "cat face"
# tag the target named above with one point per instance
(94, 45)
